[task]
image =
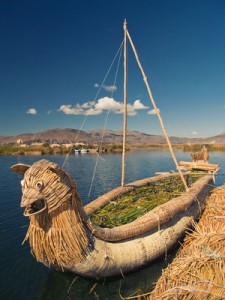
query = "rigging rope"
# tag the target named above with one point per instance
(86, 116)
(68, 154)
(106, 121)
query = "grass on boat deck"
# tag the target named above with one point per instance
(132, 205)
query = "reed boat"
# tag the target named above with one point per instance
(64, 236)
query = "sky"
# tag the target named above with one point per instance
(61, 65)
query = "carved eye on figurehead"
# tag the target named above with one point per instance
(39, 185)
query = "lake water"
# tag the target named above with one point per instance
(21, 277)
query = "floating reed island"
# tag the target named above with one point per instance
(198, 271)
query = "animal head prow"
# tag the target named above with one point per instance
(48, 182)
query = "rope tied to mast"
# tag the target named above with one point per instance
(86, 116)
(156, 109)
(107, 116)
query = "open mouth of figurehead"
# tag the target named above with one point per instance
(35, 207)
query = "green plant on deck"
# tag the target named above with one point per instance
(136, 203)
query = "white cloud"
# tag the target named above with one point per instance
(153, 112)
(87, 104)
(138, 105)
(110, 104)
(69, 110)
(31, 111)
(130, 110)
(108, 88)
(93, 112)
(103, 104)
(194, 133)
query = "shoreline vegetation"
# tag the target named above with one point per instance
(48, 149)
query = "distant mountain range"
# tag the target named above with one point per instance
(68, 135)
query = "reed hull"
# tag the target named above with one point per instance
(158, 216)
(61, 235)
(119, 257)
(116, 259)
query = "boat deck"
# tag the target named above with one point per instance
(199, 165)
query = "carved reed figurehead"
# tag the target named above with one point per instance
(57, 231)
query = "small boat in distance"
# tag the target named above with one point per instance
(63, 235)
(81, 151)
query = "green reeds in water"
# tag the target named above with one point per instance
(136, 203)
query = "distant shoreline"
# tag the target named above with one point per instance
(47, 149)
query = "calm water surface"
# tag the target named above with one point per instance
(21, 277)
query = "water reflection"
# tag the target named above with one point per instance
(21, 277)
(71, 286)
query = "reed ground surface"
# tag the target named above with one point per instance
(198, 271)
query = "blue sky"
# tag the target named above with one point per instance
(55, 54)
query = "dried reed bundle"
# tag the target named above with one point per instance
(57, 235)
(65, 240)
(198, 271)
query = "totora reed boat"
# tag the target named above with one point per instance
(64, 235)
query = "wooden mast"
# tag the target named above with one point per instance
(125, 102)
(157, 111)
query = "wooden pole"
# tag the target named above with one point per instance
(157, 111)
(125, 103)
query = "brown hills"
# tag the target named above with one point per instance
(69, 135)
